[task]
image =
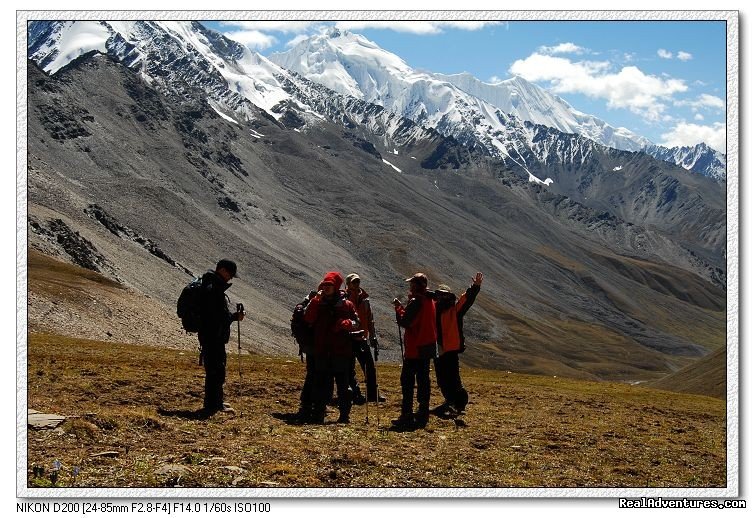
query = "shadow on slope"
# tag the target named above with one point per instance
(706, 376)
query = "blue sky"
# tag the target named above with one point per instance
(665, 80)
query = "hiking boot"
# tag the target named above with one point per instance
(441, 410)
(208, 412)
(214, 409)
(316, 418)
(423, 416)
(404, 421)
(303, 415)
(359, 399)
(343, 419)
(380, 399)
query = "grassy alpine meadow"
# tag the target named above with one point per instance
(131, 423)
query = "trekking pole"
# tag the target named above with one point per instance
(377, 398)
(377, 387)
(367, 402)
(400, 342)
(367, 412)
(239, 309)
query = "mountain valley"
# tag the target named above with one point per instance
(146, 165)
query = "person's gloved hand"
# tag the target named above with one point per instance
(346, 325)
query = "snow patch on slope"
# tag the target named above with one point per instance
(214, 106)
(77, 40)
(535, 179)
(393, 166)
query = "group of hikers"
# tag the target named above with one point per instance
(335, 329)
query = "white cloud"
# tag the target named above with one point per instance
(252, 39)
(467, 25)
(629, 88)
(699, 117)
(706, 101)
(711, 101)
(273, 25)
(256, 34)
(415, 27)
(681, 55)
(563, 48)
(398, 26)
(295, 41)
(494, 80)
(687, 134)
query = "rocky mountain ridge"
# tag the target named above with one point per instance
(700, 159)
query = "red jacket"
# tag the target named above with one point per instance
(450, 320)
(418, 318)
(366, 321)
(332, 320)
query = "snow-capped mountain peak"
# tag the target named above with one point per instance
(459, 105)
(530, 102)
(351, 64)
(183, 58)
(344, 62)
(65, 41)
(701, 159)
(229, 71)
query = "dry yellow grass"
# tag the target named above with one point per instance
(133, 405)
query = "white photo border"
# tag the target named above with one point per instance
(732, 488)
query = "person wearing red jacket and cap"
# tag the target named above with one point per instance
(332, 317)
(418, 318)
(361, 301)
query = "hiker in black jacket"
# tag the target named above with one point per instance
(215, 331)
(306, 340)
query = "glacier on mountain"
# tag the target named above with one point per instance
(350, 64)
(459, 104)
(531, 103)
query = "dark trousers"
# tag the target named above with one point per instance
(214, 358)
(449, 380)
(326, 371)
(364, 357)
(308, 390)
(415, 371)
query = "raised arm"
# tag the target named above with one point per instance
(467, 299)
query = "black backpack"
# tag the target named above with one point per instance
(189, 305)
(301, 330)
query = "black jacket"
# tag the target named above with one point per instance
(215, 327)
